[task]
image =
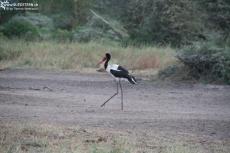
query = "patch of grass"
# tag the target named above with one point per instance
(77, 56)
(9, 53)
(28, 138)
(22, 138)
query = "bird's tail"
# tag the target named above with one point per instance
(132, 79)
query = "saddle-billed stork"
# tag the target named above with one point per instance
(117, 72)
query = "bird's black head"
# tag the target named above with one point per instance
(108, 56)
(105, 59)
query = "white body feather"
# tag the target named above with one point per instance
(113, 67)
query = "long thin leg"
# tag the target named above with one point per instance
(121, 95)
(110, 97)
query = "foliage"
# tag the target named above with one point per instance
(207, 60)
(63, 21)
(36, 19)
(76, 10)
(164, 21)
(43, 24)
(29, 26)
(20, 29)
(99, 27)
(218, 15)
(176, 23)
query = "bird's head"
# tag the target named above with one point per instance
(108, 56)
(105, 58)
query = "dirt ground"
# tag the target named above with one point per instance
(152, 109)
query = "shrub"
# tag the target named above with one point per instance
(175, 22)
(29, 25)
(74, 11)
(20, 29)
(63, 21)
(36, 19)
(99, 27)
(207, 60)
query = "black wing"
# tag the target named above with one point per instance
(123, 69)
(119, 73)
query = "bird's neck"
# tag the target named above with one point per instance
(106, 64)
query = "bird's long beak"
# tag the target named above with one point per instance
(104, 58)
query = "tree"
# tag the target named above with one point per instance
(164, 21)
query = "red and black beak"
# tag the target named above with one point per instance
(103, 59)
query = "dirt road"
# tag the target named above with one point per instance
(168, 109)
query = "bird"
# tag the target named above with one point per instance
(117, 72)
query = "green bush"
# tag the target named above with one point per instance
(75, 11)
(29, 26)
(63, 21)
(20, 29)
(208, 61)
(176, 22)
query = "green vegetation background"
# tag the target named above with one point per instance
(199, 30)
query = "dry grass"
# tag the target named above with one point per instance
(77, 56)
(45, 138)
(24, 138)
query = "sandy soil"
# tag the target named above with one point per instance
(171, 110)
